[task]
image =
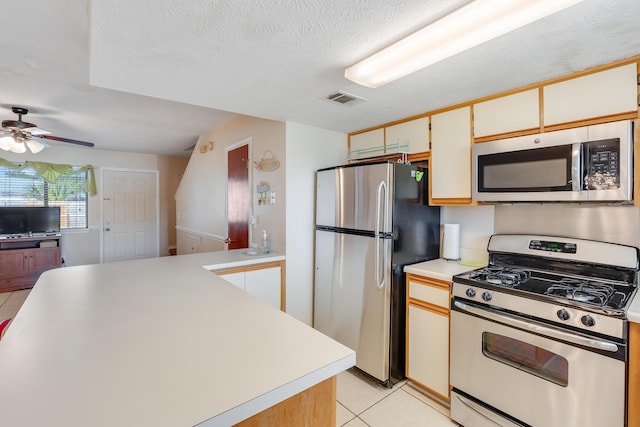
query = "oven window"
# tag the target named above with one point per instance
(526, 357)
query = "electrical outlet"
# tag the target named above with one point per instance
(273, 197)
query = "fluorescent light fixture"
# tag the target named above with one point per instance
(469, 26)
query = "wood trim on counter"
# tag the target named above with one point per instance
(452, 202)
(436, 283)
(633, 402)
(252, 267)
(316, 406)
(262, 266)
(429, 307)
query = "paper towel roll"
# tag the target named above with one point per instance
(451, 244)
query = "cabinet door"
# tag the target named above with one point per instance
(264, 284)
(366, 144)
(600, 94)
(451, 155)
(188, 243)
(411, 136)
(428, 349)
(14, 262)
(516, 112)
(43, 259)
(431, 294)
(235, 278)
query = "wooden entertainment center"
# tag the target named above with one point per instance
(24, 258)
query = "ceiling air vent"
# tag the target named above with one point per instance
(344, 98)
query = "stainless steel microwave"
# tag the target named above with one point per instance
(591, 163)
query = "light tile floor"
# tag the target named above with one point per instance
(362, 403)
(10, 303)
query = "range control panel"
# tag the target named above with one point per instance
(548, 246)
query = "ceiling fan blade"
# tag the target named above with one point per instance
(38, 132)
(70, 141)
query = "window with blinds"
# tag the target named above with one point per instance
(22, 187)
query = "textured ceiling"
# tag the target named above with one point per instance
(150, 75)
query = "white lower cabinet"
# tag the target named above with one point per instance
(263, 282)
(428, 334)
(429, 349)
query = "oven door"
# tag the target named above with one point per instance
(541, 381)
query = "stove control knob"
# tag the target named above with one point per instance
(588, 320)
(486, 296)
(471, 292)
(563, 314)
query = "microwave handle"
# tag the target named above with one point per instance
(577, 157)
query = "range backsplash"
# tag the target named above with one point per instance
(616, 224)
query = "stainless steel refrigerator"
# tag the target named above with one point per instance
(371, 220)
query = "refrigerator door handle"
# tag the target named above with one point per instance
(381, 197)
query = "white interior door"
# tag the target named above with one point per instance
(129, 214)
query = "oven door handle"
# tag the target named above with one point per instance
(537, 328)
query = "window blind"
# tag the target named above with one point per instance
(22, 187)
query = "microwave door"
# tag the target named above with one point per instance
(547, 174)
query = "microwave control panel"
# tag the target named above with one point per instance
(602, 168)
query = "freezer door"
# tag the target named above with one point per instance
(355, 197)
(351, 302)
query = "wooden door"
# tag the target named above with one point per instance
(130, 215)
(238, 197)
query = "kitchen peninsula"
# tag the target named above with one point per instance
(161, 342)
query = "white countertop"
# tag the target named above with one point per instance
(155, 342)
(445, 270)
(440, 268)
(633, 314)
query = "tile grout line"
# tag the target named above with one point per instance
(437, 409)
(376, 402)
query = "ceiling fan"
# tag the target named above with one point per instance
(19, 135)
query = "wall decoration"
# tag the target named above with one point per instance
(262, 189)
(267, 163)
(206, 147)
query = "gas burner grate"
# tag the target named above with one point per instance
(596, 293)
(503, 276)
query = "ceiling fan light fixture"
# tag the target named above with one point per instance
(17, 147)
(35, 146)
(5, 142)
(469, 26)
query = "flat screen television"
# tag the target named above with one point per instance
(25, 220)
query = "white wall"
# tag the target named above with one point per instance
(83, 246)
(308, 149)
(476, 226)
(201, 195)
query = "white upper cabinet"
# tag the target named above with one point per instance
(411, 136)
(600, 94)
(510, 113)
(367, 144)
(451, 154)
